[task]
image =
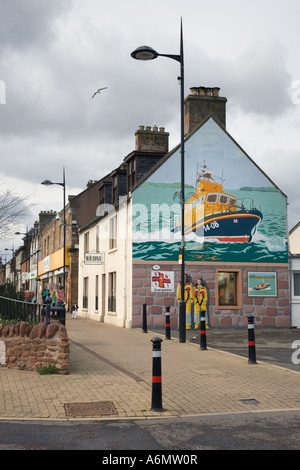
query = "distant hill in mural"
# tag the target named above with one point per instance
(263, 189)
(165, 185)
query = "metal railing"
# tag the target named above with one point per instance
(16, 310)
(12, 310)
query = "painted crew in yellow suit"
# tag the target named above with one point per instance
(188, 297)
(200, 302)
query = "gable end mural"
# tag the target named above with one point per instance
(233, 212)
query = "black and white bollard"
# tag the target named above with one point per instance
(145, 318)
(156, 375)
(168, 325)
(203, 331)
(251, 340)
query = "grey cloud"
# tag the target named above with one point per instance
(27, 22)
(257, 82)
(262, 82)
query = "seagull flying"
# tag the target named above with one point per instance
(98, 91)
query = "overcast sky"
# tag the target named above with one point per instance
(55, 53)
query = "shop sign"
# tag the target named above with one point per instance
(93, 258)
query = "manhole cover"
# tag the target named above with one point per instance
(250, 401)
(101, 408)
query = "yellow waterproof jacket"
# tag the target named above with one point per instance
(200, 297)
(188, 294)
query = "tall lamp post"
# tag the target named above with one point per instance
(12, 257)
(63, 184)
(147, 53)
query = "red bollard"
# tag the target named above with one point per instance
(156, 375)
(251, 340)
(202, 331)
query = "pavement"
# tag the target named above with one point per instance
(110, 376)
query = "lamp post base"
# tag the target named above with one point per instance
(182, 322)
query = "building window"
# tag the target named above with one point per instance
(97, 293)
(47, 246)
(86, 243)
(113, 232)
(61, 236)
(131, 181)
(85, 302)
(229, 289)
(97, 239)
(112, 292)
(53, 241)
(115, 189)
(101, 195)
(296, 284)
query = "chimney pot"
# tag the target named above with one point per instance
(216, 91)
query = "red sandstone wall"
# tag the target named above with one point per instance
(268, 311)
(32, 347)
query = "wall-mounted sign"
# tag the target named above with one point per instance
(162, 281)
(29, 294)
(94, 258)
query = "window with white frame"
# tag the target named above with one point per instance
(86, 242)
(112, 279)
(113, 232)
(85, 299)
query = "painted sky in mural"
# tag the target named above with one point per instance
(233, 212)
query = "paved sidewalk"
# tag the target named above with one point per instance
(111, 377)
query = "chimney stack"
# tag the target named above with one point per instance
(45, 218)
(201, 103)
(152, 140)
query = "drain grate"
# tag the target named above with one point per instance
(101, 408)
(250, 401)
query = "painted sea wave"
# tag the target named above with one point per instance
(272, 250)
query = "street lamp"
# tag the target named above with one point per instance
(23, 233)
(147, 53)
(63, 184)
(10, 249)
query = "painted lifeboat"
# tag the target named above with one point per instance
(215, 214)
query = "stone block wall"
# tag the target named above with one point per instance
(268, 311)
(31, 347)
